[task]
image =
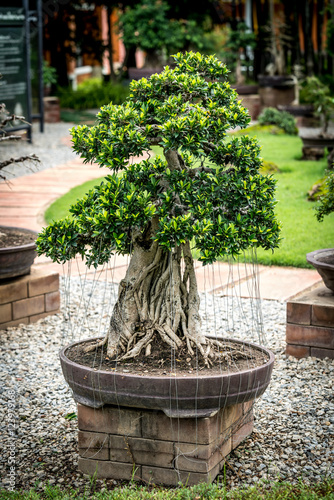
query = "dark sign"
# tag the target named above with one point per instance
(13, 61)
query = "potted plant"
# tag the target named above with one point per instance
(323, 260)
(318, 94)
(17, 245)
(147, 27)
(276, 87)
(205, 191)
(239, 43)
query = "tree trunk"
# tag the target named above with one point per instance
(158, 296)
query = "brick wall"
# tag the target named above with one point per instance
(310, 324)
(125, 443)
(29, 298)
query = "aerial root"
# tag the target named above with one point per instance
(136, 350)
(92, 347)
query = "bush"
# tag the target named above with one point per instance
(283, 120)
(92, 93)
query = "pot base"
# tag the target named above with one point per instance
(146, 445)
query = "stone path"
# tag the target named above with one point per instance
(23, 202)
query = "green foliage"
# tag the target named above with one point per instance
(326, 201)
(238, 41)
(269, 167)
(317, 190)
(265, 490)
(283, 120)
(224, 208)
(146, 25)
(92, 93)
(49, 74)
(315, 92)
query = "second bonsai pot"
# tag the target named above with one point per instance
(323, 261)
(16, 260)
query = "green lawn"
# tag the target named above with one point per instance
(301, 232)
(264, 490)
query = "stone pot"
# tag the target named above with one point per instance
(17, 260)
(318, 141)
(277, 81)
(246, 89)
(315, 144)
(138, 73)
(277, 90)
(323, 261)
(177, 396)
(297, 110)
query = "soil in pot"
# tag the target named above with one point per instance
(13, 237)
(164, 361)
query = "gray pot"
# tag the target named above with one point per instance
(176, 396)
(323, 261)
(17, 260)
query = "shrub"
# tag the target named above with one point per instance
(283, 120)
(92, 93)
(326, 200)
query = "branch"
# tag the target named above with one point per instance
(5, 163)
(12, 118)
(11, 138)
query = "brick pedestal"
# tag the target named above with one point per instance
(253, 103)
(310, 324)
(28, 298)
(125, 443)
(51, 109)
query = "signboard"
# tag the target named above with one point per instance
(15, 81)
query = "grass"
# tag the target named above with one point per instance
(59, 208)
(301, 232)
(77, 117)
(264, 490)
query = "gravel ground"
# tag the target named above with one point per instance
(294, 424)
(50, 148)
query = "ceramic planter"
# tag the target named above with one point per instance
(17, 260)
(176, 396)
(323, 261)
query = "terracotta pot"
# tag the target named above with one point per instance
(17, 260)
(176, 396)
(323, 261)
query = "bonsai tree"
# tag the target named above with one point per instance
(204, 192)
(146, 26)
(238, 43)
(318, 94)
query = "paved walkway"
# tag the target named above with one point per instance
(24, 200)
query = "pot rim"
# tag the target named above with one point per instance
(19, 248)
(311, 258)
(268, 352)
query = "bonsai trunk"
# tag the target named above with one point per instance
(158, 297)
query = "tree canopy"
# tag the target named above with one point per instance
(206, 189)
